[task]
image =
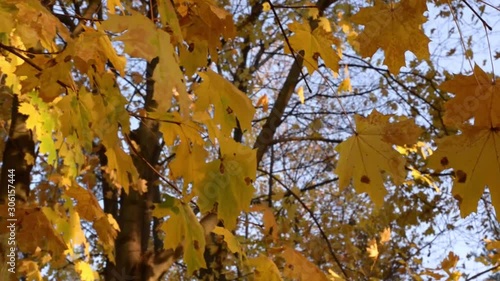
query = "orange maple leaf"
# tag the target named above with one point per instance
(394, 27)
(476, 96)
(475, 157)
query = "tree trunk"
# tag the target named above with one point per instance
(135, 260)
(19, 147)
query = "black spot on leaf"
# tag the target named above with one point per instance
(461, 176)
(444, 161)
(365, 179)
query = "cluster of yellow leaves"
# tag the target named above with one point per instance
(265, 269)
(372, 249)
(225, 182)
(395, 27)
(448, 265)
(182, 228)
(67, 125)
(88, 208)
(296, 267)
(32, 23)
(474, 154)
(67, 118)
(143, 40)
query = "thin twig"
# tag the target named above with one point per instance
(28, 61)
(489, 5)
(483, 272)
(134, 150)
(316, 222)
(295, 6)
(280, 25)
(77, 17)
(491, 53)
(477, 15)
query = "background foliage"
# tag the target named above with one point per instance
(250, 140)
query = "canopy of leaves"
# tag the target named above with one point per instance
(163, 140)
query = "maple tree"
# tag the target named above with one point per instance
(215, 140)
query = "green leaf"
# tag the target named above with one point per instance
(228, 182)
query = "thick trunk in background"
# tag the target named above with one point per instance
(135, 260)
(15, 173)
(19, 147)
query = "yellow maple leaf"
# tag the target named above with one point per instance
(183, 228)
(299, 267)
(270, 224)
(205, 21)
(394, 27)
(345, 86)
(42, 120)
(370, 151)
(29, 268)
(142, 39)
(300, 93)
(372, 249)
(232, 242)
(107, 230)
(385, 235)
(315, 43)
(36, 24)
(266, 7)
(67, 222)
(74, 118)
(141, 36)
(229, 102)
(476, 96)
(449, 262)
(45, 236)
(87, 205)
(228, 182)
(475, 157)
(93, 48)
(107, 110)
(120, 168)
(265, 269)
(264, 101)
(193, 57)
(189, 153)
(47, 81)
(85, 271)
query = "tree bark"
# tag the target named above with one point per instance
(134, 258)
(20, 146)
